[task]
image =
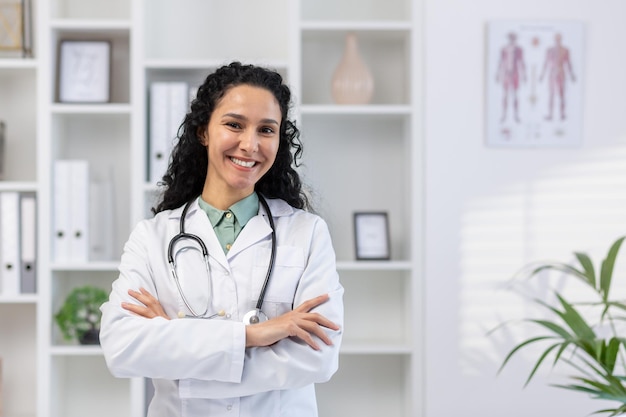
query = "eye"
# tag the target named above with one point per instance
(267, 130)
(234, 125)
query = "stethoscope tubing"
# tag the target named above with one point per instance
(253, 316)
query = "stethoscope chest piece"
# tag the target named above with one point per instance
(254, 317)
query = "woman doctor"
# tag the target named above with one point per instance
(189, 322)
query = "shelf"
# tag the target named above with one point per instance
(19, 299)
(375, 348)
(17, 63)
(204, 64)
(91, 25)
(363, 26)
(76, 350)
(105, 108)
(368, 110)
(89, 266)
(374, 266)
(21, 186)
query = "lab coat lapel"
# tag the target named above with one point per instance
(256, 230)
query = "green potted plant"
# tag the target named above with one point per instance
(79, 316)
(582, 335)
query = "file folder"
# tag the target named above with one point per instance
(71, 211)
(169, 102)
(61, 211)
(28, 235)
(9, 243)
(79, 211)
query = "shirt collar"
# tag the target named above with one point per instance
(244, 210)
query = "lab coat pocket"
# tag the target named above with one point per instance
(286, 275)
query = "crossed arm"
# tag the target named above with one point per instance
(299, 322)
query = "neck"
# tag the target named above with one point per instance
(223, 199)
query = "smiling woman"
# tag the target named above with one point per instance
(249, 264)
(241, 140)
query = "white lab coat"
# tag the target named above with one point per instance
(201, 367)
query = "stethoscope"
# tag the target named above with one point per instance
(253, 316)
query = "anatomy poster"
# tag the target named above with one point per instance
(534, 83)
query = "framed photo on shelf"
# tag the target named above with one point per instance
(371, 236)
(15, 27)
(84, 71)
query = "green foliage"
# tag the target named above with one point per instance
(80, 312)
(598, 363)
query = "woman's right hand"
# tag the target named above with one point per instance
(299, 322)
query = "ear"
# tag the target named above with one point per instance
(203, 136)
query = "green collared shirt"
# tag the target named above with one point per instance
(228, 224)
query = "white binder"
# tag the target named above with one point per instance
(79, 211)
(178, 105)
(61, 211)
(9, 243)
(71, 211)
(158, 131)
(28, 234)
(169, 102)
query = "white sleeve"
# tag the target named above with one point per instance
(134, 346)
(290, 363)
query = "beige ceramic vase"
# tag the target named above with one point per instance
(352, 81)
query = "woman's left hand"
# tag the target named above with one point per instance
(151, 307)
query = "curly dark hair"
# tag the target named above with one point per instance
(188, 165)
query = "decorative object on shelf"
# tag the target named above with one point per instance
(3, 149)
(16, 27)
(84, 71)
(352, 81)
(588, 335)
(371, 236)
(79, 317)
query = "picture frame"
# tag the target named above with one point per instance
(16, 28)
(84, 71)
(534, 83)
(371, 235)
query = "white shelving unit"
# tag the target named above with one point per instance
(357, 158)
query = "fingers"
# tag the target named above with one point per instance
(308, 305)
(151, 306)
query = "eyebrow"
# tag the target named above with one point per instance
(242, 117)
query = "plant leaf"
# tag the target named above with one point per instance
(539, 362)
(576, 322)
(587, 265)
(521, 345)
(606, 272)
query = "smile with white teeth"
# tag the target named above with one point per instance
(242, 163)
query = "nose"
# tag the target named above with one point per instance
(249, 141)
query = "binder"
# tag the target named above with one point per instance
(71, 211)
(9, 243)
(79, 211)
(178, 105)
(159, 149)
(61, 211)
(169, 102)
(102, 220)
(28, 234)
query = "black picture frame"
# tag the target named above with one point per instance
(371, 236)
(84, 71)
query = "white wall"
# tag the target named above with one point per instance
(489, 211)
